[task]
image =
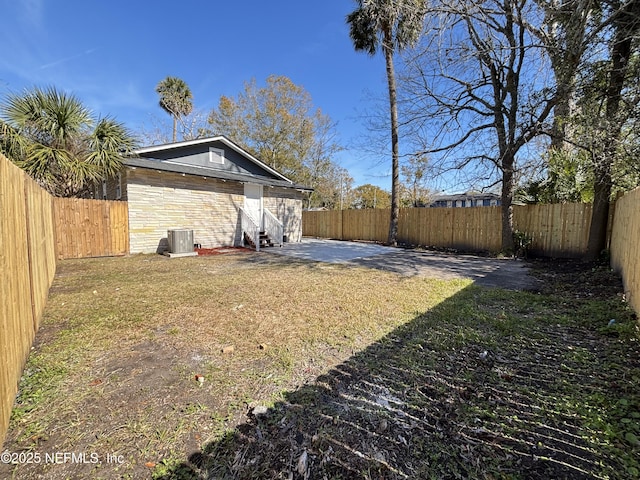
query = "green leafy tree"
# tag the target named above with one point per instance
(278, 124)
(390, 25)
(571, 171)
(175, 99)
(370, 196)
(566, 31)
(55, 139)
(569, 178)
(332, 185)
(414, 173)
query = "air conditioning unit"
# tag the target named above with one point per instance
(180, 241)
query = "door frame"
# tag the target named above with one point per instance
(255, 192)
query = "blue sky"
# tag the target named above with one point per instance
(112, 54)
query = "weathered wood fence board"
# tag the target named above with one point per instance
(369, 224)
(323, 224)
(625, 243)
(40, 230)
(90, 228)
(35, 230)
(557, 230)
(27, 268)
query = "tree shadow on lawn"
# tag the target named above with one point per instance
(464, 390)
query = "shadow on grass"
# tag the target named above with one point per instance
(488, 384)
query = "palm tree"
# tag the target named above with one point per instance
(391, 25)
(175, 99)
(52, 136)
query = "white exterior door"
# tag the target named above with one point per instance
(253, 201)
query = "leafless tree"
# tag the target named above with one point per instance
(415, 173)
(475, 93)
(566, 30)
(190, 127)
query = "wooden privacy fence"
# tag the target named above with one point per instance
(27, 268)
(625, 243)
(559, 230)
(90, 228)
(35, 230)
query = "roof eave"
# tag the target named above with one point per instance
(183, 169)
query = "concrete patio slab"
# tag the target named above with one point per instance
(487, 271)
(330, 251)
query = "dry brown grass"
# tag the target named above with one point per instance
(368, 374)
(123, 338)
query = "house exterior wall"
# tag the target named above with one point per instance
(161, 201)
(457, 201)
(286, 204)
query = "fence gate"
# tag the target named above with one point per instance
(90, 228)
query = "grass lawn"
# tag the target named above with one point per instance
(162, 368)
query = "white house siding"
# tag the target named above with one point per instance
(161, 201)
(286, 204)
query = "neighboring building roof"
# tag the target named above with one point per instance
(465, 199)
(270, 178)
(466, 196)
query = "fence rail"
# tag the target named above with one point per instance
(556, 230)
(273, 227)
(250, 227)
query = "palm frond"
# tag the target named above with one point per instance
(109, 143)
(50, 135)
(175, 96)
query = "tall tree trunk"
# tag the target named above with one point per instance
(507, 204)
(565, 58)
(561, 113)
(626, 26)
(565, 69)
(175, 127)
(600, 213)
(393, 107)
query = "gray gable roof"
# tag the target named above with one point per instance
(210, 173)
(187, 158)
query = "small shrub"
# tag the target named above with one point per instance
(521, 243)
